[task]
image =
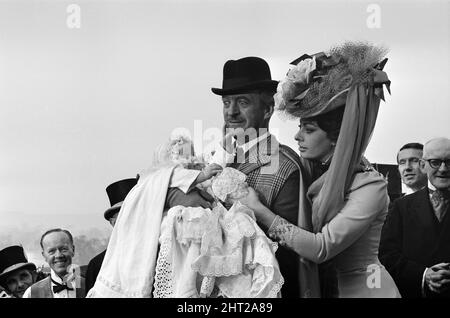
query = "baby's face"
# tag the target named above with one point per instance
(186, 150)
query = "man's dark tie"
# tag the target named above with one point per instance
(238, 158)
(440, 202)
(59, 287)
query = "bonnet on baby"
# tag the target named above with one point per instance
(179, 149)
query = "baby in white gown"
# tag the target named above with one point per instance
(218, 252)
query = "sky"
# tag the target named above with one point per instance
(83, 107)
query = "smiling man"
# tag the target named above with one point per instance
(64, 281)
(408, 159)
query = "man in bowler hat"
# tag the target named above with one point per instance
(117, 192)
(272, 169)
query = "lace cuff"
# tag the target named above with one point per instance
(282, 231)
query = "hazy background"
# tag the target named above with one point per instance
(82, 108)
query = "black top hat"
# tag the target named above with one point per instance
(246, 74)
(13, 258)
(117, 192)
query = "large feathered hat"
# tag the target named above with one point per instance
(319, 83)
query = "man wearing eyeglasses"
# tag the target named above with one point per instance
(415, 240)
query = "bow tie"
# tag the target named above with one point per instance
(59, 287)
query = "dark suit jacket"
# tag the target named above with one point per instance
(93, 269)
(413, 239)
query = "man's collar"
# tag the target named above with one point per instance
(55, 277)
(247, 146)
(430, 186)
(408, 190)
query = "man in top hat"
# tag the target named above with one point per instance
(117, 192)
(16, 273)
(415, 240)
(272, 169)
(65, 280)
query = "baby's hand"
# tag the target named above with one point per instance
(251, 200)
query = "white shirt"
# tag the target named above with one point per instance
(408, 190)
(183, 178)
(222, 157)
(62, 294)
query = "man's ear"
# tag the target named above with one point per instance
(34, 276)
(269, 111)
(422, 165)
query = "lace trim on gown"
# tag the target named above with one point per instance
(234, 254)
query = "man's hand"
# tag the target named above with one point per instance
(437, 278)
(194, 198)
(211, 170)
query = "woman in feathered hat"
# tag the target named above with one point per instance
(336, 98)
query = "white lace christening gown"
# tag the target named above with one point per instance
(211, 253)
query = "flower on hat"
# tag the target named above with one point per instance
(295, 85)
(320, 82)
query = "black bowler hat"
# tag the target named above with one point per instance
(117, 192)
(246, 74)
(13, 258)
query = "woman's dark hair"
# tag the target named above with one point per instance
(330, 122)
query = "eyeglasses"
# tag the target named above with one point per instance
(437, 163)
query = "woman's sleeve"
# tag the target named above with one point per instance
(361, 207)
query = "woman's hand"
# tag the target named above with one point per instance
(262, 214)
(251, 200)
